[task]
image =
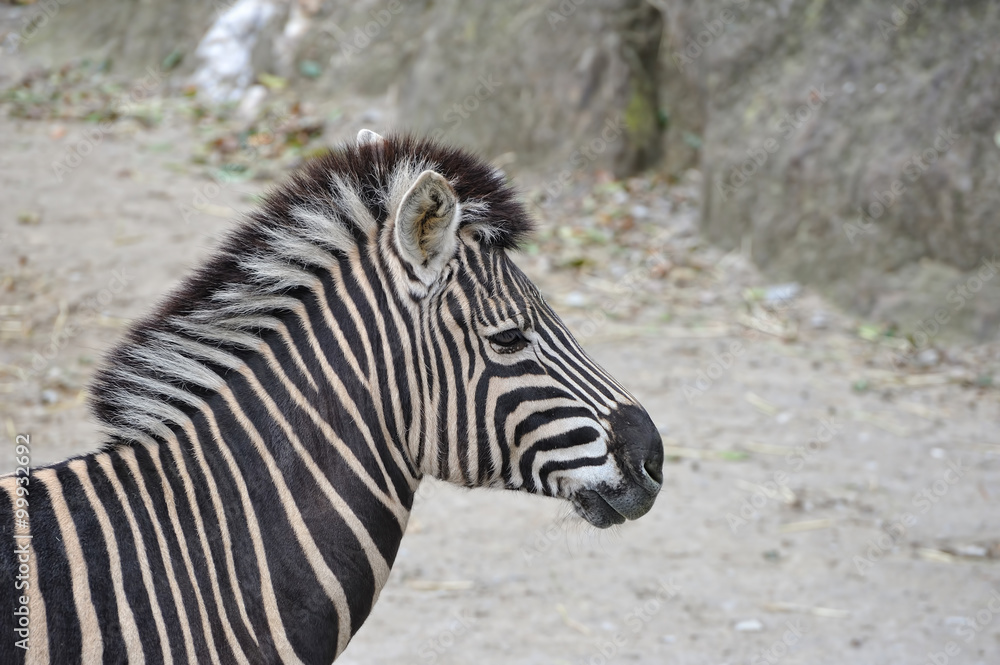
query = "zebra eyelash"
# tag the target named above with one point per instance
(509, 341)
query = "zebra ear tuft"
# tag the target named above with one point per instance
(366, 136)
(427, 223)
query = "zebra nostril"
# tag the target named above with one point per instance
(638, 446)
(654, 469)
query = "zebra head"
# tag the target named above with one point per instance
(512, 399)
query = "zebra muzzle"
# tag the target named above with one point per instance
(638, 450)
(636, 444)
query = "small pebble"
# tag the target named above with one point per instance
(972, 550)
(928, 358)
(49, 396)
(250, 105)
(819, 321)
(781, 292)
(750, 626)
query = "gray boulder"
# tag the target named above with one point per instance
(853, 146)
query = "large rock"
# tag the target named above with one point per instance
(130, 34)
(845, 142)
(567, 84)
(852, 146)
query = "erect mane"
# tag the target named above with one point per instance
(172, 356)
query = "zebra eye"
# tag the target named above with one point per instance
(508, 341)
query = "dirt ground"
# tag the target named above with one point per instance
(791, 527)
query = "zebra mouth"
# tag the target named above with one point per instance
(591, 506)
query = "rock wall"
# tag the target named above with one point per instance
(555, 83)
(855, 146)
(131, 34)
(568, 83)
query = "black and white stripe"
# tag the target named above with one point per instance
(269, 424)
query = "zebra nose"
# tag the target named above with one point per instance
(638, 445)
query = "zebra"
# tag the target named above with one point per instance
(268, 425)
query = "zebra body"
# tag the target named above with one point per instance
(269, 425)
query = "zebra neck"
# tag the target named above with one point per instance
(292, 458)
(288, 418)
(303, 482)
(344, 495)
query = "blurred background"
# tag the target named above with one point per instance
(774, 220)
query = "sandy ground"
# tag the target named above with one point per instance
(790, 527)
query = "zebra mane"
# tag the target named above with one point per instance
(176, 356)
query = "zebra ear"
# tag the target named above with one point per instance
(427, 223)
(366, 136)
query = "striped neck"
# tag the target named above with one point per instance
(294, 421)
